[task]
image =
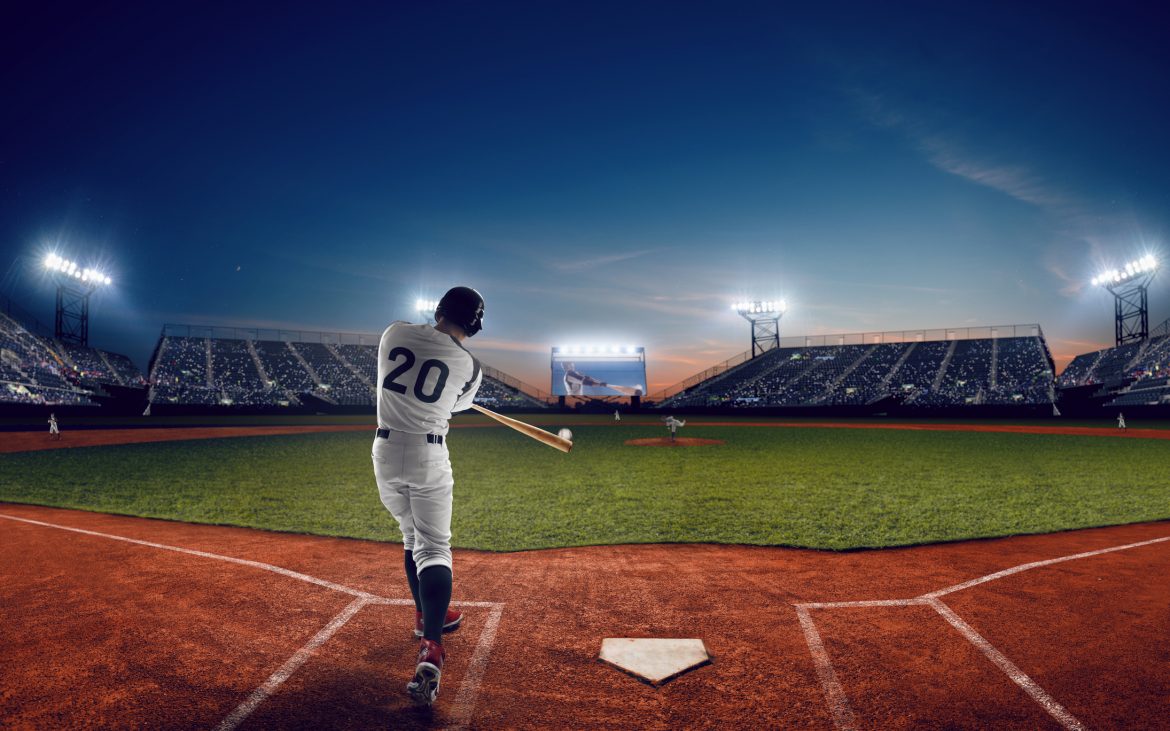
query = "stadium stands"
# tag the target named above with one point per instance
(945, 373)
(339, 383)
(32, 372)
(1134, 374)
(180, 374)
(866, 380)
(229, 372)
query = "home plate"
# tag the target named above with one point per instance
(653, 660)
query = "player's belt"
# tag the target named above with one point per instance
(431, 438)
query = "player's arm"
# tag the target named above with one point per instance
(467, 395)
(589, 380)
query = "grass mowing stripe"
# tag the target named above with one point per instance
(820, 488)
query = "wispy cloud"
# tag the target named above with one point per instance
(593, 262)
(1082, 230)
(1017, 181)
(945, 153)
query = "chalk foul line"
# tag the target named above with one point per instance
(843, 716)
(1019, 677)
(464, 703)
(285, 671)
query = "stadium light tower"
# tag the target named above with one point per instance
(74, 286)
(1130, 289)
(765, 319)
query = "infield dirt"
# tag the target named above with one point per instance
(100, 632)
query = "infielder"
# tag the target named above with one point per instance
(425, 375)
(54, 432)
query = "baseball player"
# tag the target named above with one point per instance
(673, 424)
(54, 432)
(617, 416)
(575, 380)
(424, 376)
(1121, 421)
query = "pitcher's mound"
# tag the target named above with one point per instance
(678, 442)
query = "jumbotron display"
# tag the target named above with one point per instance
(598, 370)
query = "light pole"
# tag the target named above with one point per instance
(1130, 289)
(74, 286)
(765, 319)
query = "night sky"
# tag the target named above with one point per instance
(600, 172)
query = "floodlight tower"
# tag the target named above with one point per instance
(1130, 289)
(765, 319)
(426, 309)
(74, 286)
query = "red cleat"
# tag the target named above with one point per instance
(453, 619)
(424, 688)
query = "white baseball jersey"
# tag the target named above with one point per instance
(424, 376)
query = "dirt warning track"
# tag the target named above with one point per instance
(116, 621)
(38, 440)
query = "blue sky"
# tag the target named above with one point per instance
(602, 173)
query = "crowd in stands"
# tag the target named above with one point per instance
(495, 394)
(33, 370)
(180, 374)
(931, 373)
(339, 383)
(259, 373)
(1136, 374)
(866, 380)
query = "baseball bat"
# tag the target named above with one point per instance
(625, 390)
(536, 433)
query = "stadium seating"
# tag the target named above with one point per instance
(282, 367)
(32, 372)
(179, 373)
(1133, 374)
(339, 383)
(343, 375)
(928, 374)
(867, 380)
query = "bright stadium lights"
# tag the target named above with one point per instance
(69, 268)
(761, 307)
(1132, 270)
(424, 305)
(599, 351)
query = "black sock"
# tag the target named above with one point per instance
(412, 579)
(435, 591)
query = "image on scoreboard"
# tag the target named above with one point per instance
(599, 371)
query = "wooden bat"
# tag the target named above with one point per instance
(536, 433)
(625, 390)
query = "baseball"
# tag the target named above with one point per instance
(565, 434)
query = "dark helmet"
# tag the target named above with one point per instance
(464, 307)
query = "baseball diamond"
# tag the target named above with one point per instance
(527, 366)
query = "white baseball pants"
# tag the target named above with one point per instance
(415, 483)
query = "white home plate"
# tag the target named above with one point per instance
(653, 660)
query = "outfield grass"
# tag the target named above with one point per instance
(820, 488)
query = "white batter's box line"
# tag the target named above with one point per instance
(464, 702)
(867, 603)
(843, 717)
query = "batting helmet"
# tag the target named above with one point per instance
(464, 307)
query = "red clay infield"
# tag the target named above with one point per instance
(249, 629)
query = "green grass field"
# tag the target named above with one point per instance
(820, 488)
